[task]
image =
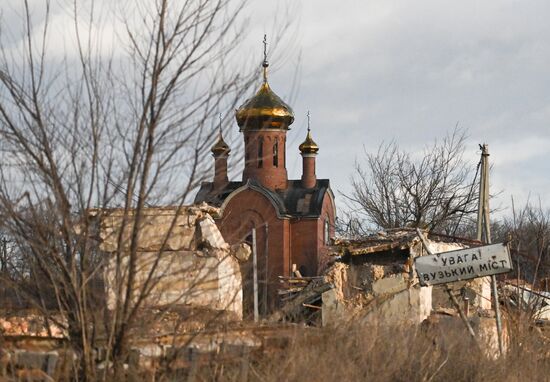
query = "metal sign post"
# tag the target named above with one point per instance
(463, 317)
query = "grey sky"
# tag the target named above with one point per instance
(409, 71)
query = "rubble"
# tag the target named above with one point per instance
(374, 279)
(31, 324)
(524, 297)
(300, 297)
(241, 252)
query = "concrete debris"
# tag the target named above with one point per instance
(32, 325)
(372, 292)
(392, 240)
(241, 252)
(381, 241)
(375, 280)
(299, 296)
(524, 297)
(209, 235)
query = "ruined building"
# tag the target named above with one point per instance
(294, 219)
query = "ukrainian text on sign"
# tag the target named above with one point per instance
(463, 264)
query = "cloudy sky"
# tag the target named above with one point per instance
(374, 71)
(409, 71)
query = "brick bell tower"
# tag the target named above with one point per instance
(264, 120)
(220, 152)
(308, 150)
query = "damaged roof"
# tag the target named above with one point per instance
(391, 239)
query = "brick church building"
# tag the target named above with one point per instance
(294, 219)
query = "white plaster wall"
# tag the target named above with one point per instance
(182, 274)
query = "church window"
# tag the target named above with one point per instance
(260, 153)
(276, 154)
(246, 150)
(284, 156)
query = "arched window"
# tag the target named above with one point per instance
(276, 154)
(260, 153)
(246, 150)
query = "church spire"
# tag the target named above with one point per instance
(264, 120)
(220, 148)
(308, 146)
(265, 110)
(265, 64)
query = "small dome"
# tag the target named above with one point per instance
(308, 146)
(265, 110)
(220, 147)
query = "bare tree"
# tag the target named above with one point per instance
(393, 188)
(128, 129)
(528, 232)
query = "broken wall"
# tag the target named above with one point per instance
(179, 250)
(376, 289)
(374, 293)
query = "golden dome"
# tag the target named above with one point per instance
(220, 147)
(309, 146)
(264, 110)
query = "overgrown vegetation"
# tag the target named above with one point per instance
(355, 353)
(90, 126)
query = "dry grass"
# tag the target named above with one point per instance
(385, 354)
(434, 352)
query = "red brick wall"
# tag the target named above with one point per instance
(249, 209)
(328, 211)
(308, 246)
(220, 172)
(309, 179)
(305, 245)
(299, 242)
(270, 175)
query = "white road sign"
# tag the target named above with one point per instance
(463, 264)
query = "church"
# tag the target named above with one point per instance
(293, 219)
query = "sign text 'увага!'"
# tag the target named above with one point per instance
(463, 264)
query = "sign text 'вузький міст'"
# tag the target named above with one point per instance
(463, 264)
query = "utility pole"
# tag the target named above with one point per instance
(484, 231)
